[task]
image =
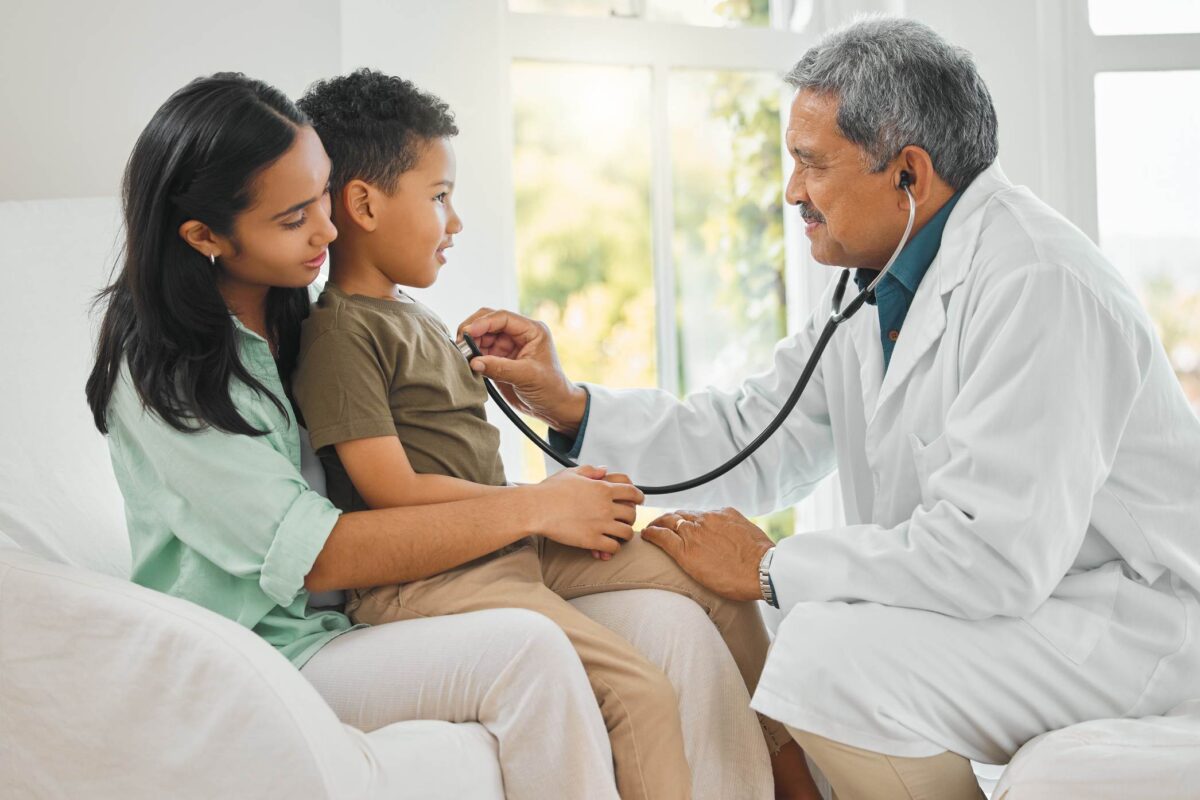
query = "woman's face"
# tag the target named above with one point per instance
(282, 239)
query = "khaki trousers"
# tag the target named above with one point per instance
(856, 774)
(636, 700)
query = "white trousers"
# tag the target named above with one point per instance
(514, 672)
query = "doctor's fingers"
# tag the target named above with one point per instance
(483, 312)
(504, 323)
(673, 519)
(663, 537)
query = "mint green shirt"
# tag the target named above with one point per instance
(226, 520)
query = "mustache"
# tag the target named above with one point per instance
(810, 214)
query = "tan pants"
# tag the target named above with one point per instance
(856, 774)
(636, 700)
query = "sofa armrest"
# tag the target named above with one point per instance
(1152, 758)
(107, 684)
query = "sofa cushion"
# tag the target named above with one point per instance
(1152, 758)
(110, 689)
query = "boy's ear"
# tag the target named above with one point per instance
(357, 200)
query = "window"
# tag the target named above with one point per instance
(648, 173)
(1128, 155)
(1147, 203)
(1116, 17)
(712, 13)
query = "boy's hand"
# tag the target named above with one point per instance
(581, 508)
(612, 477)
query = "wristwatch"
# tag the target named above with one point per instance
(764, 578)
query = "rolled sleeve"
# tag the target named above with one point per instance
(298, 541)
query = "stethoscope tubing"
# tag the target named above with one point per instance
(836, 318)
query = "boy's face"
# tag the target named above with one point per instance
(417, 221)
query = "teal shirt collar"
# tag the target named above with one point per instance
(895, 292)
(917, 255)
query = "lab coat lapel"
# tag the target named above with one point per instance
(926, 319)
(923, 327)
(864, 334)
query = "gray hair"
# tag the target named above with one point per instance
(897, 84)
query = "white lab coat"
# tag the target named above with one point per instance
(1028, 456)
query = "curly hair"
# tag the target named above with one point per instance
(373, 125)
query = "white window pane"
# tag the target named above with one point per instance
(715, 13)
(1117, 17)
(592, 8)
(1148, 206)
(581, 171)
(727, 243)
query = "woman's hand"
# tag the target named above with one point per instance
(519, 355)
(586, 508)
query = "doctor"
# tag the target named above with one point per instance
(1020, 468)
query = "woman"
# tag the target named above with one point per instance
(227, 221)
(227, 217)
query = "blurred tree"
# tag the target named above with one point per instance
(583, 222)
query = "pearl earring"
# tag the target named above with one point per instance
(212, 259)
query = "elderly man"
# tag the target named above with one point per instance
(1019, 465)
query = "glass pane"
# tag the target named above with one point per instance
(715, 13)
(593, 8)
(581, 162)
(1116, 17)
(1147, 201)
(727, 243)
(728, 238)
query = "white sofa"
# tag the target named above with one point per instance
(111, 690)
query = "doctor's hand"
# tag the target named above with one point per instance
(519, 355)
(720, 549)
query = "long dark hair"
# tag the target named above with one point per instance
(196, 159)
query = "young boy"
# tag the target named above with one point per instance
(398, 418)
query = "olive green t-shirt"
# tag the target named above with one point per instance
(373, 367)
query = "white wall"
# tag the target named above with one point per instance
(79, 80)
(457, 50)
(1003, 37)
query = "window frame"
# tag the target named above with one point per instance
(1077, 54)
(662, 47)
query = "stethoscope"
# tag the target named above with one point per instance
(836, 317)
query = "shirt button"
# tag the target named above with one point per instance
(893, 335)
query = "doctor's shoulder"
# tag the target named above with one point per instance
(1030, 260)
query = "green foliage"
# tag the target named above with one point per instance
(583, 223)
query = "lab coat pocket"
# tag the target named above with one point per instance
(1079, 612)
(928, 459)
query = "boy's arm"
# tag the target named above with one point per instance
(380, 471)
